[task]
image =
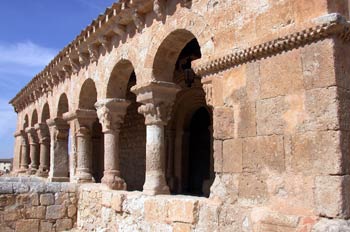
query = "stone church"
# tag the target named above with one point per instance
(180, 115)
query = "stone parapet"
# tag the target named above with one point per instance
(28, 204)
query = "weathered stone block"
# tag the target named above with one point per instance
(223, 123)
(269, 116)
(182, 227)
(106, 199)
(12, 215)
(332, 196)
(183, 210)
(35, 212)
(27, 225)
(71, 211)
(55, 211)
(225, 188)
(232, 155)
(53, 187)
(47, 199)
(317, 152)
(321, 108)
(247, 120)
(155, 210)
(28, 199)
(69, 187)
(61, 198)
(6, 188)
(253, 187)
(218, 158)
(7, 200)
(263, 152)
(64, 224)
(117, 202)
(318, 64)
(307, 9)
(19, 187)
(45, 226)
(281, 75)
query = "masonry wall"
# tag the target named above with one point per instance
(29, 205)
(133, 147)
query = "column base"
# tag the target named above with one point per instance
(42, 173)
(22, 170)
(113, 180)
(32, 171)
(155, 185)
(157, 191)
(58, 179)
(84, 177)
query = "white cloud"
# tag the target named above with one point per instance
(19, 62)
(26, 54)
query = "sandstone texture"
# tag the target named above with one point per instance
(184, 115)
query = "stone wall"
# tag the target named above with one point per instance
(31, 205)
(107, 210)
(133, 147)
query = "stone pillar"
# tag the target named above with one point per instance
(33, 150)
(85, 120)
(111, 114)
(24, 160)
(17, 152)
(44, 141)
(170, 160)
(59, 130)
(158, 98)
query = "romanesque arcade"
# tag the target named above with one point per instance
(105, 113)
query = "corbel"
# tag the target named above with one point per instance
(94, 52)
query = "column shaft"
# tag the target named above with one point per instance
(59, 131)
(111, 174)
(84, 155)
(24, 163)
(155, 182)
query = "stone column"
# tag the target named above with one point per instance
(59, 130)
(17, 152)
(44, 141)
(85, 120)
(158, 98)
(24, 160)
(111, 114)
(170, 160)
(33, 150)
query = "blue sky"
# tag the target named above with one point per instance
(32, 33)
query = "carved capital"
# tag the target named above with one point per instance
(83, 131)
(156, 114)
(158, 98)
(111, 113)
(32, 135)
(43, 132)
(59, 128)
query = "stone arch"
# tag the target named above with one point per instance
(34, 119)
(45, 114)
(168, 52)
(88, 95)
(25, 121)
(117, 86)
(63, 105)
(192, 26)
